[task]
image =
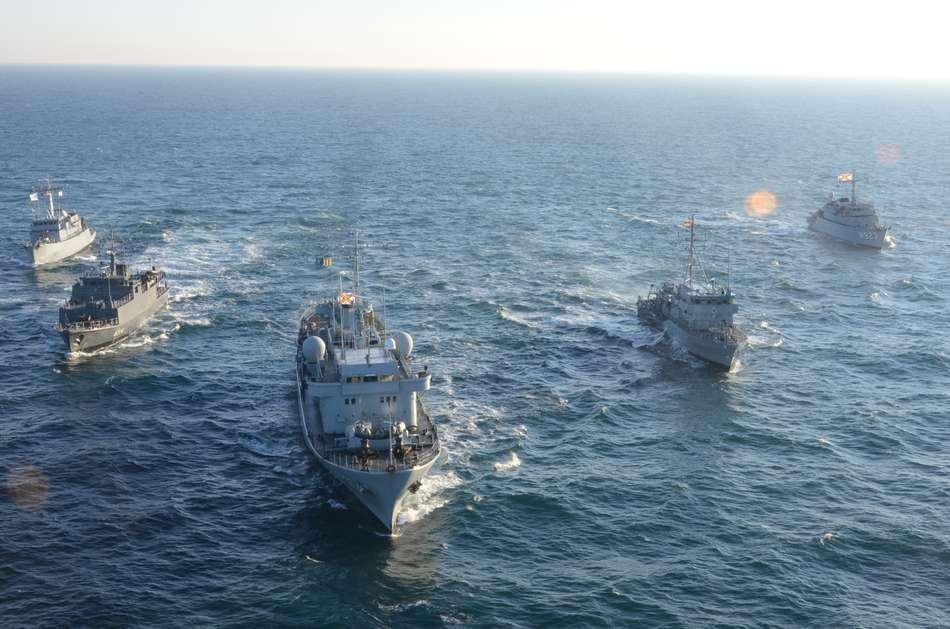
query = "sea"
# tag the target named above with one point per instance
(595, 474)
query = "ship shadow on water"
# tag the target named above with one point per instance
(335, 531)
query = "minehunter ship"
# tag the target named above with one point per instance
(698, 317)
(105, 307)
(843, 218)
(360, 403)
(58, 234)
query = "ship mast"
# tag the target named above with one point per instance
(49, 193)
(111, 268)
(692, 239)
(339, 300)
(357, 263)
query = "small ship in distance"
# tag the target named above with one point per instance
(698, 317)
(57, 234)
(844, 219)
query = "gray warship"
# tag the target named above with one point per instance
(108, 305)
(697, 317)
(57, 234)
(843, 218)
(360, 402)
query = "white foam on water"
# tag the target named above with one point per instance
(507, 315)
(133, 342)
(252, 252)
(633, 217)
(506, 466)
(138, 341)
(190, 291)
(776, 340)
(761, 341)
(203, 322)
(434, 493)
(400, 607)
(195, 322)
(827, 538)
(336, 504)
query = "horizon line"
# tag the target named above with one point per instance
(500, 71)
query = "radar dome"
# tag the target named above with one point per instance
(314, 349)
(403, 344)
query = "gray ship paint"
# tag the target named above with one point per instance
(699, 318)
(58, 234)
(360, 403)
(849, 221)
(107, 306)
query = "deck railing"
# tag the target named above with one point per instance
(380, 461)
(90, 325)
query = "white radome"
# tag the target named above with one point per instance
(403, 344)
(314, 349)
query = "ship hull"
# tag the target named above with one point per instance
(871, 238)
(53, 252)
(99, 338)
(381, 492)
(703, 345)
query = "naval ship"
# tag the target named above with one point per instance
(58, 234)
(847, 220)
(360, 402)
(108, 305)
(698, 317)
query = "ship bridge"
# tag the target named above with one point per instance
(365, 361)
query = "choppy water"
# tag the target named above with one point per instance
(596, 476)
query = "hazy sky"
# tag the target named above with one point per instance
(802, 38)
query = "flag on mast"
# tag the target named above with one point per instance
(688, 223)
(34, 196)
(846, 178)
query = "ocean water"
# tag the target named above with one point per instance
(596, 475)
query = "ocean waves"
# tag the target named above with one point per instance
(594, 473)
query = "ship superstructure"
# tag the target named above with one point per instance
(360, 400)
(56, 234)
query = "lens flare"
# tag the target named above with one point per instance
(889, 153)
(27, 487)
(760, 203)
